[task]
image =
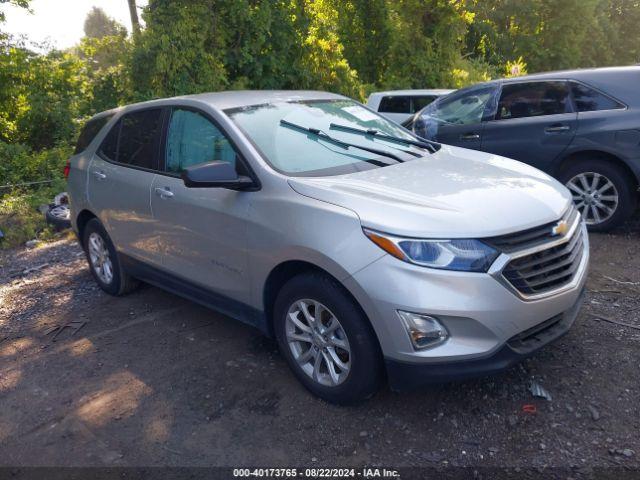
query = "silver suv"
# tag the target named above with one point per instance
(367, 252)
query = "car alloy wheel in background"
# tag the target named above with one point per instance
(595, 196)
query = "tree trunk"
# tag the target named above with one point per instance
(135, 23)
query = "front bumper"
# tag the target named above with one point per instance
(407, 376)
(482, 315)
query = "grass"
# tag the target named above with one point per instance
(20, 219)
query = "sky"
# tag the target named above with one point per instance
(61, 21)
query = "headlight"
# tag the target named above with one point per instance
(465, 255)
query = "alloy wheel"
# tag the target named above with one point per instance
(100, 258)
(318, 342)
(594, 195)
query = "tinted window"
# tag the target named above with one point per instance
(395, 105)
(533, 99)
(138, 143)
(192, 139)
(109, 147)
(587, 99)
(420, 102)
(89, 132)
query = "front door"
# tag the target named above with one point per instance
(457, 118)
(120, 178)
(201, 231)
(534, 123)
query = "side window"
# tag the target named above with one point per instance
(519, 100)
(89, 132)
(395, 105)
(588, 100)
(139, 139)
(109, 147)
(465, 108)
(418, 103)
(192, 139)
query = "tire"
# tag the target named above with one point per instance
(118, 282)
(620, 186)
(362, 354)
(58, 217)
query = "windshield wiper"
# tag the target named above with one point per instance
(378, 134)
(320, 134)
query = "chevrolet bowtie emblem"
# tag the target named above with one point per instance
(560, 228)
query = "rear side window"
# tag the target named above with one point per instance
(89, 132)
(192, 139)
(109, 147)
(520, 100)
(138, 145)
(395, 105)
(589, 100)
(135, 139)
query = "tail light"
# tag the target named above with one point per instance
(67, 169)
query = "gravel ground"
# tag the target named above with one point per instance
(152, 379)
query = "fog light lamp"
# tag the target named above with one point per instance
(424, 331)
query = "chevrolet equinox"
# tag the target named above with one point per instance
(368, 253)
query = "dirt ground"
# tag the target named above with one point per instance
(152, 379)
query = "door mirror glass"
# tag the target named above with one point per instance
(215, 174)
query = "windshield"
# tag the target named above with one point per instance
(300, 153)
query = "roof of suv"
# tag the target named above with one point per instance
(237, 98)
(409, 93)
(619, 82)
(583, 73)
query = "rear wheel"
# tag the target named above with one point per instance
(327, 340)
(104, 262)
(601, 191)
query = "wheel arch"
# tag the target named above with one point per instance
(600, 155)
(284, 272)
(81, 222)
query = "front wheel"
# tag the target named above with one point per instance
(327, 340)
(601, 191)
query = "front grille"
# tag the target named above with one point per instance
(547, 269)
(532, 237)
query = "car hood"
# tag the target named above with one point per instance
(453, 193)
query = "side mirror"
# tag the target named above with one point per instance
(215, 175)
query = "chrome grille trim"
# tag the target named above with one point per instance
(544, 268)
(533, 237)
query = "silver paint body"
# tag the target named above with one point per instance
(230, 241)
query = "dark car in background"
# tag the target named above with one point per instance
(581, 126)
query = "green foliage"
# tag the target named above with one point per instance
(19, 164)
(20, 218)
(181, 50)
(40, 96)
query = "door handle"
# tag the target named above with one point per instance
(164, 193)
(99, 175)
(469, 136)
(557, 128)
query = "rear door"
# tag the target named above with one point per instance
(120, 177)
(457, 119)
(201, 231)
(534, 122)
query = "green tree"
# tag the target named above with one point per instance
(98, 24)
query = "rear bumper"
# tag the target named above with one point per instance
(408, 376)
